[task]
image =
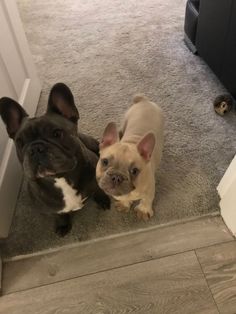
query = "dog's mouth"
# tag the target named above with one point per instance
(117, 192)
(43, 172)
(113, 190)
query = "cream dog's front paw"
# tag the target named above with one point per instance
(120, 207)
(144, 213)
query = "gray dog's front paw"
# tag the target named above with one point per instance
(63, 225)
(102, 199)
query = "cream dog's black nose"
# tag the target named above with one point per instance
(117, 179)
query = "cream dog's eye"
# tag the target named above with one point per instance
(134, 171)
(105, 162)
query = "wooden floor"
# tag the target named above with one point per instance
(183, 268)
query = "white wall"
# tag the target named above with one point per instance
(227, 192)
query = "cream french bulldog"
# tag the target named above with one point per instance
(129, 159)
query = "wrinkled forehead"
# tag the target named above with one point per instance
(43, 125)
(121, 155)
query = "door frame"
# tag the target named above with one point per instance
(10, 169)
(227, 193)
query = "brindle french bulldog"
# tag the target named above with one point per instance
(58, 162)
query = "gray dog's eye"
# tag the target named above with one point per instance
(58, 133)
(134, 171)
(105, 162)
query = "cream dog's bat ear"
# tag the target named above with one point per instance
(110, 135)
(146, 146)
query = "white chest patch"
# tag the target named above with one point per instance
(72, 201)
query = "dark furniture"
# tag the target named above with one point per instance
(215, 39)
(190, 24)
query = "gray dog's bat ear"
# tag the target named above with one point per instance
(110, 135)
(12, 115)
(61, 101)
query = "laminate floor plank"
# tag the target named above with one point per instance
(219, 266)
(87, 258)
(173, 284)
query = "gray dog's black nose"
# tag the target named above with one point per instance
(117, 179)
(37, 149)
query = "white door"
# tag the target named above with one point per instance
(18, 80)
(227, 192)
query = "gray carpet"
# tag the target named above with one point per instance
(106, 51)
